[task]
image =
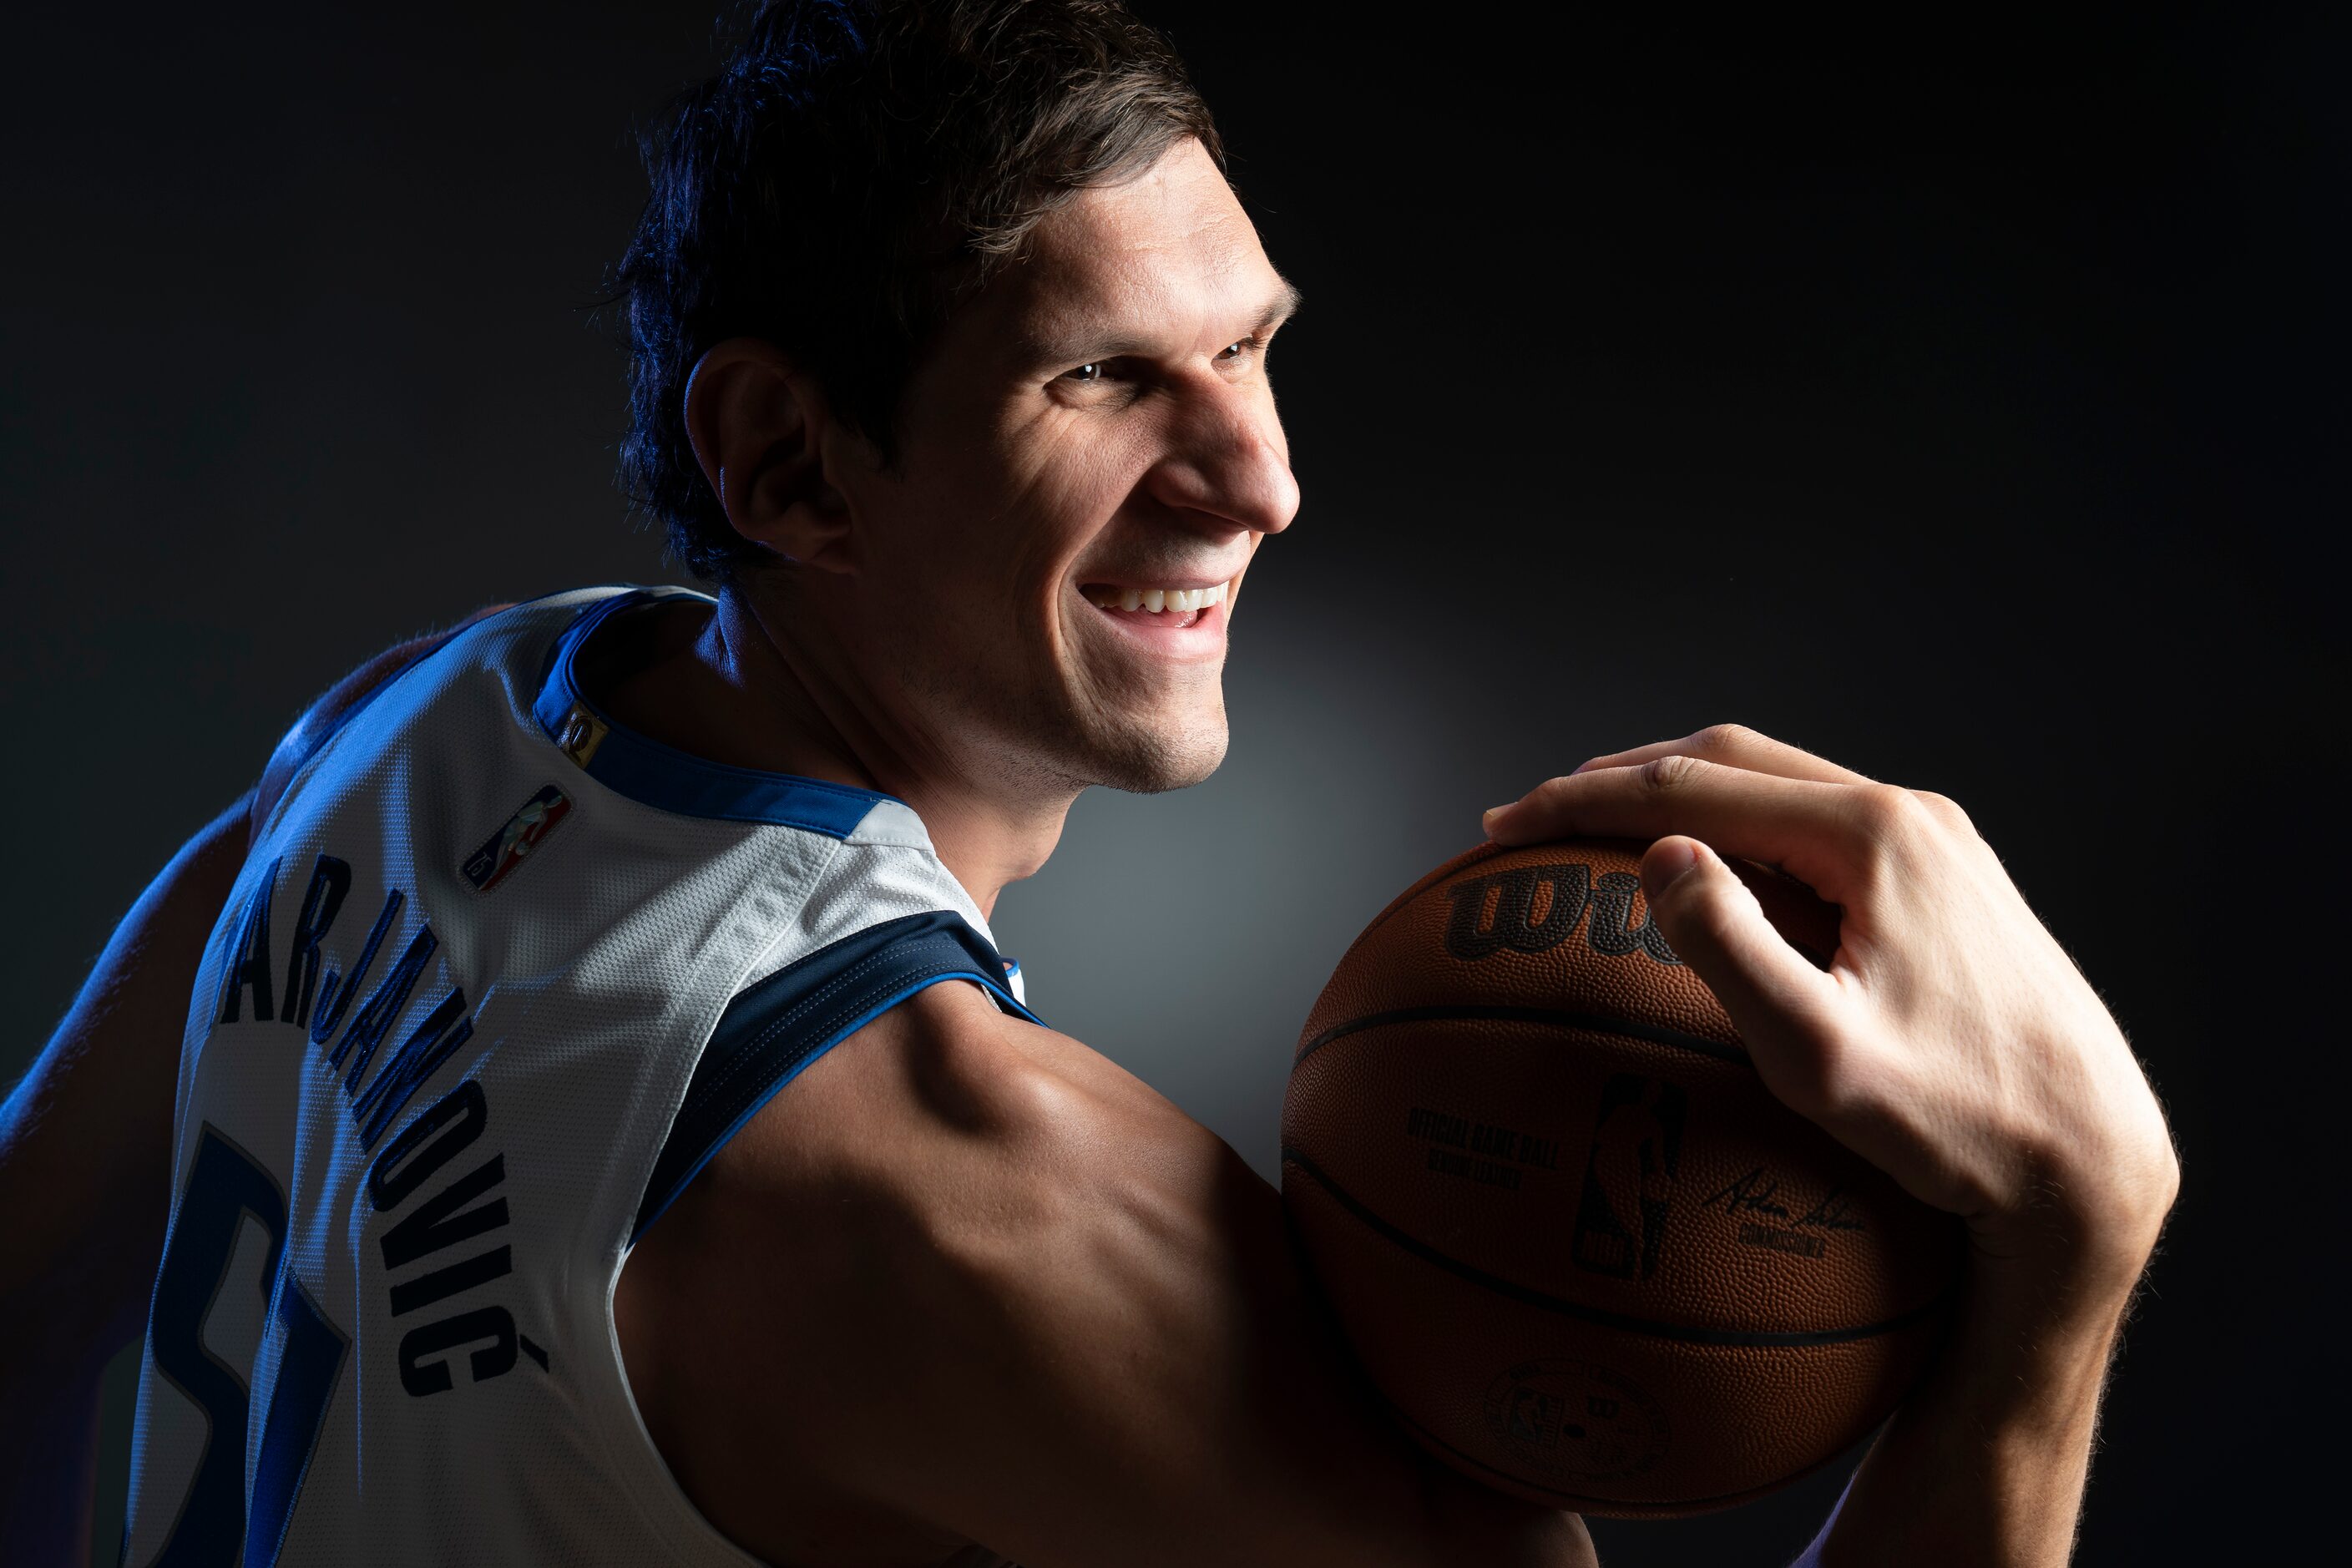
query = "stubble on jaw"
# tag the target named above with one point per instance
(1143, 735)
(1081, 733)
(1137, 761)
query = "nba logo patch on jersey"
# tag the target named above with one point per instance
(508, 848)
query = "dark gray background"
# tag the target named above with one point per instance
(1958, 401)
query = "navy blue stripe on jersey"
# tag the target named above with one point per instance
(774, 1030)
(310, 1364)
(663, 776)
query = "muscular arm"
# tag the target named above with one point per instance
(1987, 1463)
(85, 1181)
(86, 1157)
(965, 1280)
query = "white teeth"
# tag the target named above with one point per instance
(1157, 600)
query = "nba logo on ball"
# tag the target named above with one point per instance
(507, 848)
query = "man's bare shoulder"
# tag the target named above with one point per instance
(950, 1070)
(894, 1218)
(971, 1129)
(967, 1281)
(944, 1146)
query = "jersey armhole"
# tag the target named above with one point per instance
(773, 1030)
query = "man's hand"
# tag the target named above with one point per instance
(1953, 1043)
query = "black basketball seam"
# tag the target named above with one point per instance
(1653, 1032)
(1594, 1500)
(1462, 862)
(1688, 1334)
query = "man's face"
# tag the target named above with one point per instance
(1094, 434)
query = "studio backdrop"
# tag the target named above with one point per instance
(1956, 398)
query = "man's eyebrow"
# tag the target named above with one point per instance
(1281, 308)
(1051, 347)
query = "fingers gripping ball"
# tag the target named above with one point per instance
(1585, 1254)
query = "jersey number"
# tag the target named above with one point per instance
(224, 1185)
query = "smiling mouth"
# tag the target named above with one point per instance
(1155, 606)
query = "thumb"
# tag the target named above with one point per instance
(1784, 1008)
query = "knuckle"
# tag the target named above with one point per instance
(1730, 738)
(1669, 774)
(1945, 809)
(1707, 906)
(1883, 812)
(1548, 794)
(1712, 911)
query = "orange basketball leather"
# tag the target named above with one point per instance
(1583, 1251)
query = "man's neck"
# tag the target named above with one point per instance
(752, 691)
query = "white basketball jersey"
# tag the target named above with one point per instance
(497, 979)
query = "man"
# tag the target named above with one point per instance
(571, 1149)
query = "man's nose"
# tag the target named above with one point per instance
(1228, 460)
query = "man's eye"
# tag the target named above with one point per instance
(1090, 371)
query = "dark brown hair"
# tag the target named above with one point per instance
(855, 169)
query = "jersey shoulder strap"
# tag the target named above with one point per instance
(774, 1029)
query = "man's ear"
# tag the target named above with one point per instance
(757, 427)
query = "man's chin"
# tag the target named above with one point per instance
(1141, 760)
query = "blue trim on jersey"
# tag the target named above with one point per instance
(772, 1031)
(665, 777)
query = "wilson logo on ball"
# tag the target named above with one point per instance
(1534, 909)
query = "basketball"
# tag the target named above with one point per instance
(1584, 1254)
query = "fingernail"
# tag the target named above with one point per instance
(1486, 818)
(1662, 869)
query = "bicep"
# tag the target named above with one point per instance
(1150, 1378)
(1153, 1370)
(86, 1136)
(1085, 1338)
